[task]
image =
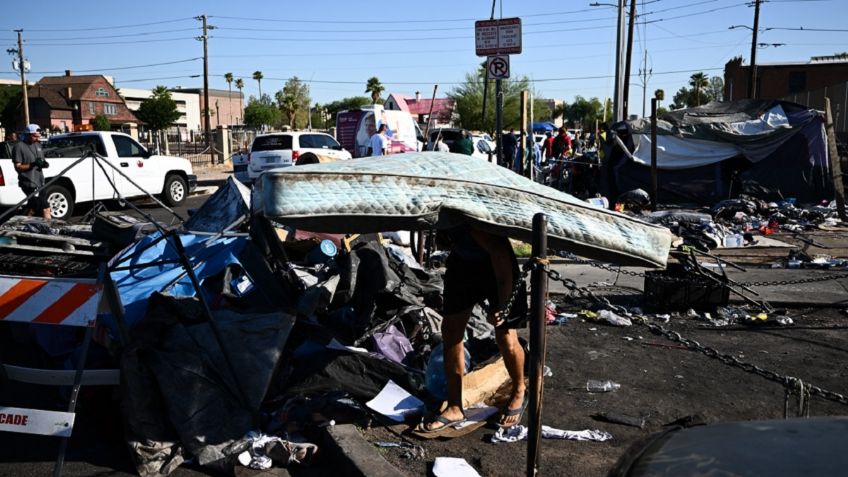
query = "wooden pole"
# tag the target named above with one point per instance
(752, 79)
(430, 117)
(522, 147)
(654, 186)
(835, 165)
(627, 61)
(539, 291)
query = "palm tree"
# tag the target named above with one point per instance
(257, 75)
(375, 88)
(228, 77)
(240, 86)
(698, 81)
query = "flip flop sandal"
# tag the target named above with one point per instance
(285, 453)
(514, 412)
(446, 424)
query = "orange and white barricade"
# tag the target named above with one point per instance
(54, 301)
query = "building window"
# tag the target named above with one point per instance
(797, 81)
(110, 109)
(101, 91)
(92, 108)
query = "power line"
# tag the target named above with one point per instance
(146, 33)
(106, 43)
(117, 27)
(115, 68)
(695, 13)
(806, 29)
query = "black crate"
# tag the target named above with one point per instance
(699, 293)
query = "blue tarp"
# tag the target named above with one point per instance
(208, 255)
(543, 127)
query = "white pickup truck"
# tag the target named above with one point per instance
(169, 177)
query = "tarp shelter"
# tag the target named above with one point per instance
(770, 149)
(543, 127)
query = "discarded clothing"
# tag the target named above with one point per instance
(519, 432)
(453, 467)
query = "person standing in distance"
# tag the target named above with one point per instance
(7, 148)
(29, 162)
(378, 141)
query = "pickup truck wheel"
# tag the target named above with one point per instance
(175, 191)
(60, 201)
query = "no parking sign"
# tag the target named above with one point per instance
(497, 67)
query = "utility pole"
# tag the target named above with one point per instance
(752, 83)
(207, 122)
(644, 81)
(617, 99)
(22, 66)
(628, 59)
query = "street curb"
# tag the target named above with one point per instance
(353, 455)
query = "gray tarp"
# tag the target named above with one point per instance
(422, 190)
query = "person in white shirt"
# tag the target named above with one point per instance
(378, 142)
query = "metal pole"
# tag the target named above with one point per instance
(23, 75)
(654, 186)
(617, 100)
(627, 61)
(752, 84)
(499, 120)
(522, 147)
(538, 293)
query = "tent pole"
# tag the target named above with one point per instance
(835, 164)
(654, 154)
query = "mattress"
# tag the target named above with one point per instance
(435, 190)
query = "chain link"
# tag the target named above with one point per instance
(730, 360)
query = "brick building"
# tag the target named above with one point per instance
(778, 80)
(227, 108)
(69, 102)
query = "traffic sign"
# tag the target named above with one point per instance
(498, 37)
(497, 67)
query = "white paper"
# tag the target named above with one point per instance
(395, 403)
(453, 467)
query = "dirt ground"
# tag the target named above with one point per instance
(659, 381)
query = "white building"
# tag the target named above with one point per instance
(188, 104)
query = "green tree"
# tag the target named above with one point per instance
(659, 94)
(583, 112)
(374, 87)
(468, 102)
(101, 123)
(698, 81)
(715, 89)
(261, 112)
(345, 104)
(11, 97)
(293, 100)
(257, 75)
(158, 111)
(228, 77)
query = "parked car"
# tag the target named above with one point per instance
(170, 177)
(270, 151)
(482, 147)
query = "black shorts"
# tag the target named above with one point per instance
(37, 203)
(470, 282)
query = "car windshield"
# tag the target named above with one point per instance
(271, 143)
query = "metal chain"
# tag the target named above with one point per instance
(516, 288)
(785, 380)
(730, 360)
(610, 268)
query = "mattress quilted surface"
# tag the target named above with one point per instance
(424, 190)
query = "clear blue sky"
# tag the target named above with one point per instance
(337, 45)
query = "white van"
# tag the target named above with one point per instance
(354, 129)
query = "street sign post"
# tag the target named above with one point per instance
(497, 67)
(498, 37)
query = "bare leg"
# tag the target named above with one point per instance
(453, 329)
(513, 355)
(46, 213)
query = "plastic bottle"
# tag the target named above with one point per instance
(435, 376)
(598, 386)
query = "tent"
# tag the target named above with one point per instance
(541, 128)
(771, 149)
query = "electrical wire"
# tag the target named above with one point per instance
(104, 43)
(117, 27)
(146, 33)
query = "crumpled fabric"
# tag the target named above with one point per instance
(518, 432)
(255, 457)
